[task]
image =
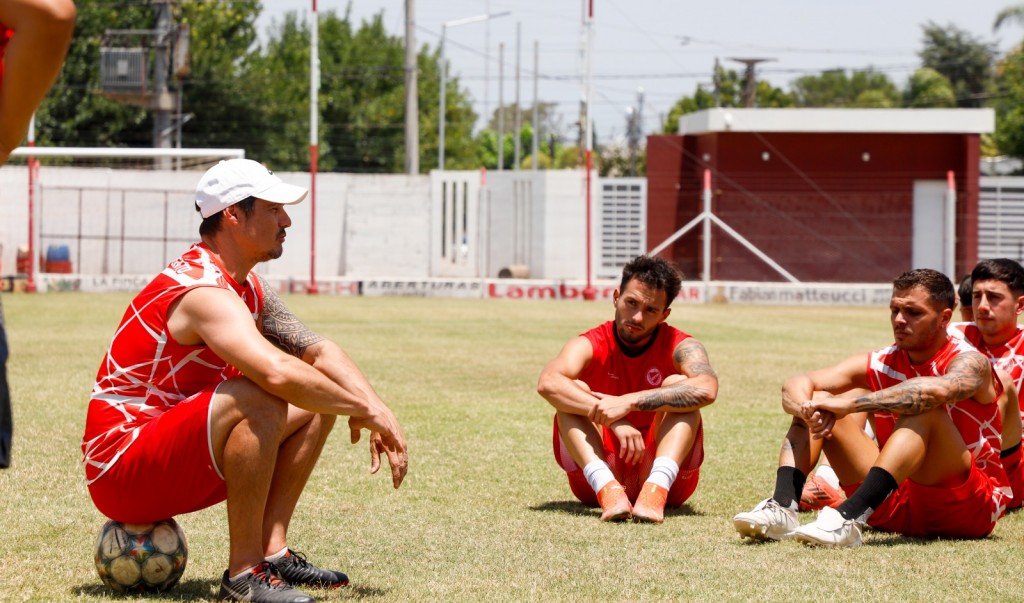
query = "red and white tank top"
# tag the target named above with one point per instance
(613, 371)
(145, 371)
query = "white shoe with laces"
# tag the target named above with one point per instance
(830, 529)
(767, 521)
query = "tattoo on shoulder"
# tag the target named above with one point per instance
(281, 327)
(691, 356)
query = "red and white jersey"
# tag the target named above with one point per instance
(615, 372)
(1009, 356)
(979, 424)
(145, 371)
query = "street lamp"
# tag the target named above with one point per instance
(444, 75)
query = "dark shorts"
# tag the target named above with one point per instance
(169, 469)
(632, 477)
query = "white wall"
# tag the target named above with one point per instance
(366, 225)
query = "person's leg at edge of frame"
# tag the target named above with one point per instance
(6, 416)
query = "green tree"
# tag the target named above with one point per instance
(228, 105)
(965, 60)
(1012, 13)
(1009, 134)
(74, 114)
(730, 86)
(834, 88)
(929, 88)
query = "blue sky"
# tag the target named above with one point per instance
(667, 47)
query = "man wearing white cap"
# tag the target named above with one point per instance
(213, 390)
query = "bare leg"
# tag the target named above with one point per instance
(304, 440)
(850, 451)
(675, 434)
(581, 438)
(247, 427)
(926, 448)
(799, 449)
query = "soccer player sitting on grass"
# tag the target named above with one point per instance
(935, 471)
(627, 396)
(996, 290)
(213, 390)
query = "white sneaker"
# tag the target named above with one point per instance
(830, 529)
(767, 521)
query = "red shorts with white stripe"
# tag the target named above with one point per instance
(968, 510)
(169, 470)
(632, 477)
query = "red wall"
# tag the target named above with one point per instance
(814, 206)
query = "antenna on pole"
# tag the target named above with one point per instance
(750, 87)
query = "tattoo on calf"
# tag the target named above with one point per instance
(281, 327)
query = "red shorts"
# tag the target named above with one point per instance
(1015, 473)
(966, 511)
(632, 477)
(168, 470)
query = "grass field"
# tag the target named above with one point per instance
(485, 514)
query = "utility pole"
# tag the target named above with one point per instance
(163, 103)
(535, 139)
(412, 111)
(750, 87)
(516, 143)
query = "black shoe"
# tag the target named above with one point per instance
(263, 583)
(294, 569)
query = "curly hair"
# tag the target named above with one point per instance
(654, 272)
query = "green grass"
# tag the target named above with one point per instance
(485, 514)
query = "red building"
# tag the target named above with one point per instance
(831, 195)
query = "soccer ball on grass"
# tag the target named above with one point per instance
(141, 558)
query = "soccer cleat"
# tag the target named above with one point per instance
(766, 521)
(650, 504)
(294, 569)
(262, 585)
(830, 529)
(819, 494)
(614, 502)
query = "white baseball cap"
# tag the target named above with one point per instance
(234, 180)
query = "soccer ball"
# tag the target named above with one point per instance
(141, 558)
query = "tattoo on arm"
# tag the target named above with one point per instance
(691, 356)
(692, 359)
(963, 379)
(281, 327)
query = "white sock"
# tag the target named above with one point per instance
(598, 474)
(826, 473)
(664, 472)
(241, 573)
(868, 430)
(277, 555)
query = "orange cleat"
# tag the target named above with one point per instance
(614, 502)
(650, 504)
(818, 494)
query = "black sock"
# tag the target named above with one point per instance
(789, 483)
(877, 486)
(1009, 451)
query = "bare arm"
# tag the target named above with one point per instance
(798, 390)
(698, 390)
(965, 377)
(282, 328)
(43, 30)
(557, 382)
